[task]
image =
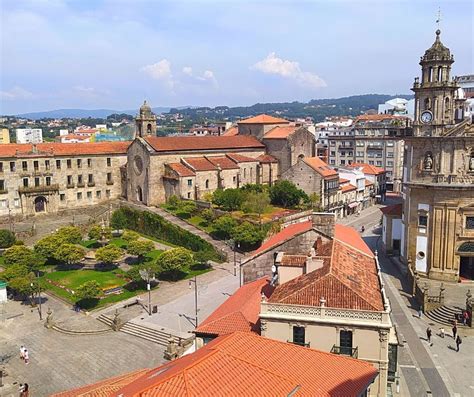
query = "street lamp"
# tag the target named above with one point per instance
(234, 245)
(195, 299)
(145, 275)
(39, 295)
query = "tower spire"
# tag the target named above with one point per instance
(438, 18)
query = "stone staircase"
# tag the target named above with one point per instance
(445, 315)
(158, 336)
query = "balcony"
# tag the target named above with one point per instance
(346, 351)
(110, 182)
(39, 189)
(70, 185)
(81, 184)
(91, 184)
(376, 147)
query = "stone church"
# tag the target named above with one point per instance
(438, 175)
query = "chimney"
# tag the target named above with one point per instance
(322, 302)
(324, 222)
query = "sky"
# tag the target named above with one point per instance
(113, 54)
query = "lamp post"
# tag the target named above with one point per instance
(195, 299)
(234, 245)
(39, 295)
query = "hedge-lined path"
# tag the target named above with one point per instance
(218, 244)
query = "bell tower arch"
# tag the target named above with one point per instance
(145, 121)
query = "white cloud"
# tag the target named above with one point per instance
(16, 93)
(188, 70)
(272, 64)
(160, 71)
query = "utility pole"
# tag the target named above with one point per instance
(195, 299)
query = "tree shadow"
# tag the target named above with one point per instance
(88, 303)
(172, 275)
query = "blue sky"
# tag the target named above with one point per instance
(114, 53)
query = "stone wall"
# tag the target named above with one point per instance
(305, 177)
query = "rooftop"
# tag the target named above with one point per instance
(320, 166)
(378, 117)
(181, 169)
(263, 119)
(191, 143)
(395, 209)
(232, 131)
(240, 312)
(280, 132)
(368, 169)
(223, 162)
(348, 188)
(199, 164)
(246, 364)
(62, 149)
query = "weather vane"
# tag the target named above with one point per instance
(438, 19)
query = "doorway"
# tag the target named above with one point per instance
(466, 267)
(139, 194)
(40, 204)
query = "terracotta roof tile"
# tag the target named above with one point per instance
(280, 132)
(293, 260)
(368, 183)
(368, 169)
(190, 143)
(245, 364)
(104, 388)
(348, 188)
(181, 169)
(239, 158)
(287, 233)
(266, 158)
(223, 162)
(20, 150)
(232, 131)
(199, 164)
(343, 180)
(395, 210)
(263, 119)
(350, 236)
(240, 312)
(320, 166)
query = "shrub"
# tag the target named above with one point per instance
(89, 290)
(228, 199)
(69, 253)
(173, 201)
(140, 248)
(286, 194)
(108, 254)
(223, 226)
(69, 234)
(247, 235)
(97, 232)
(130, 235)
(186, 208)
(208, 215)
(47, 246)
(175, 262)
(7, 238)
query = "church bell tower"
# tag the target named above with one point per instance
(435, 103)
(145, 121)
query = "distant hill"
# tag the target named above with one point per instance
(83, 113)
(316, 108)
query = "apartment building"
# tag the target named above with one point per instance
(373, 139)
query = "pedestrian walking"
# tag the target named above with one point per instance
(465, 317)
(420, 311)
(455, 330)
(22, 352)
(458, 342)
(26, 391)
(26, 356)
(428, 335)
(441, 332)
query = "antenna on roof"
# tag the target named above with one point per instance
(438, 19)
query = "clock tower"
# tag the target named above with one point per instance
(438, 175)
(435, 95)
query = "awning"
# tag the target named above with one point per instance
(353, 205)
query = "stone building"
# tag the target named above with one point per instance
(375, 139)
(329, 294)
(49, 177)
(145, 121)
(438, 175)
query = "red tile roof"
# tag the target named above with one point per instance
(62, 149)
(240, 312)
(368, 183)
(223, 162)
(232, 131)
(347, 280)
(245, 364)
(348, 188)
(293, 260)
(263, 119)
(286, 234)
(181, 169)
(280, 132)
(191, 143)
(239, 158)
(76, 137)
(395, 210)
(106, 387)
(368, 169)
(350, 236)
(320, 166)
(199, 164)
(266, 158)
(343, 180)
(378, 117)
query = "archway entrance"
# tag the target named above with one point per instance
(466, 260)
(40, 204)
(139, 194)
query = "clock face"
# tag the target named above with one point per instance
(426, 117)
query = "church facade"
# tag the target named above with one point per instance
(438, 175)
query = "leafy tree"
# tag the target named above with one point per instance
(47, 246)
(151, 267)
(119, 220)
(207, 197)
(108, 254)
(247, 235)
(256, 203)
(208, 215)
(186, 206)
(175, 261)
(228, 199)
(69, 253)
(7, 238)
(89, 290)
(130, 235)
(253, 187)
(22, 285)
(286, 194)
(173, 201)
(98, 232)
(69, 234)
(14, 271)
(223, 226)
(314, 201)
(24, 256)
(140, 248)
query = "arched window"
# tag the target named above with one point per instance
(427, 104)
(430, 74)
(446, 107)
(245, 172)
(207, 183)
(148, 129)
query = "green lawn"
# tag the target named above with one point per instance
(74, 278)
